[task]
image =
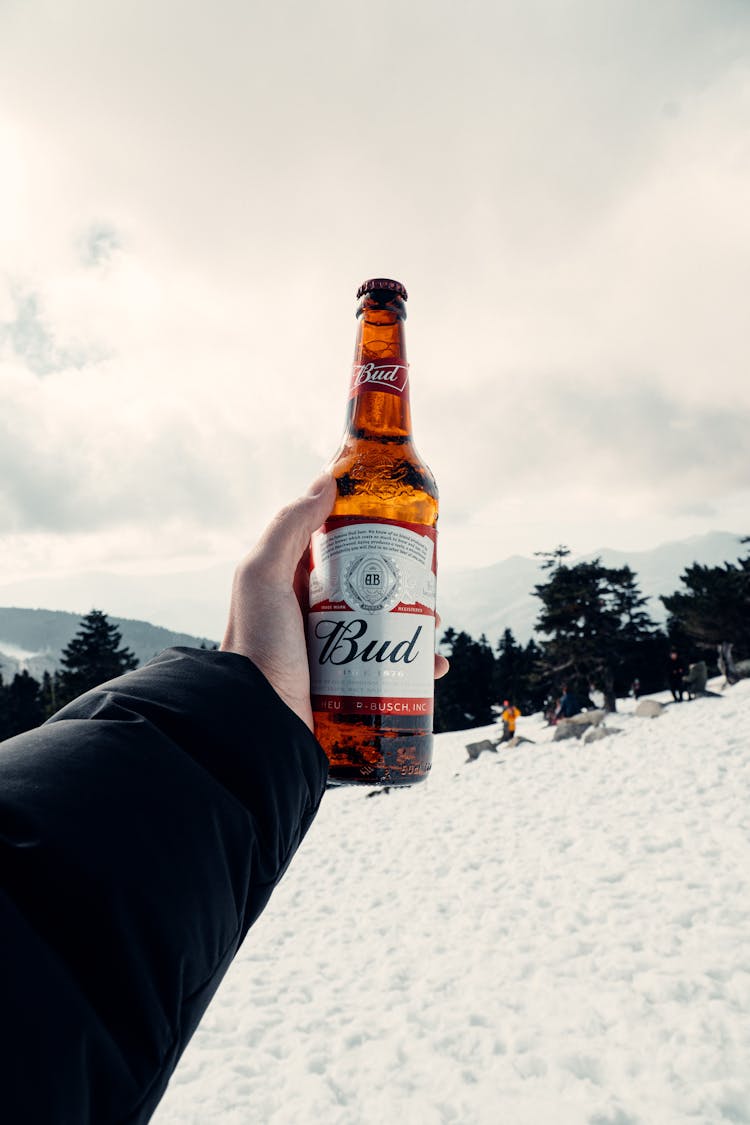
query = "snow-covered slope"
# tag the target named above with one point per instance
(557, 933)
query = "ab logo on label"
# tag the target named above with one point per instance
(372, 583)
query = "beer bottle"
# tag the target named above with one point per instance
(371, 622)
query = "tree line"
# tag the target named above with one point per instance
(595, 635)
(593, 629)
(95, 654)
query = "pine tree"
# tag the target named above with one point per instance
(517, 674)
(595, 621)
(714, 607)
(24, 703)
(93, 656)
(20, 705)
(4, 722)
(464, 697)
(553, 559)
(49, 690)
(509, 678)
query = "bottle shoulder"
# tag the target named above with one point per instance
(385, 479)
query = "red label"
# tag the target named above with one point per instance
(416, 608)
(372, 705)
(389, 377)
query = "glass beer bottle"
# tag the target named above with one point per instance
(371, 622)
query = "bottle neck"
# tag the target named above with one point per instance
(379, 397)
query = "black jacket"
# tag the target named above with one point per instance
(142, 830)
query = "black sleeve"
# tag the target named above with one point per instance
(142, 830)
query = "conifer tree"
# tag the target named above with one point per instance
(509, 669)
(714, 606)
(4, 724)
(594, 618)
(553, 559)
(517, 676)
(464, 698)
(93, 656)
(535, 694)
(48, 693)
(24, 703)
(20, 705)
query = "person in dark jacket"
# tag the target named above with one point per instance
(676, 671)
(142, 831)
(568, 705)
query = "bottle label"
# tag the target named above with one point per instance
(390, 377)
(371, 624)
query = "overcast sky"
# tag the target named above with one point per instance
(190, 195)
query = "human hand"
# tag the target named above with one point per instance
(269, 595)
(269, 599)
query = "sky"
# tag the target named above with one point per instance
(190, 196)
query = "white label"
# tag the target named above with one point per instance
(371, 626)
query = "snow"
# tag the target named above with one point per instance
(554, 933)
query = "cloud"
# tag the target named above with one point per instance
(565, 460)
(98, 244)
(28, 337)
(88, 449)
(189, 200)
(626, 438)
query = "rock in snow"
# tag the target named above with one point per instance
(577, 725)
(554, 935)
(474, 749)
(649, 709)
(596, 734)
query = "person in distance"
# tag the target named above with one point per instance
(676, 673)
(142, 831)
(509, 718)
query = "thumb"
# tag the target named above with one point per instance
(285, 539)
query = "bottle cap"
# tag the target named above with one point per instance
(386, 283)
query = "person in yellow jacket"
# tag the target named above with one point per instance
(509, 716)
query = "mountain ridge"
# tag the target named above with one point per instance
(486, 600)
(499, 596)
(33, 639)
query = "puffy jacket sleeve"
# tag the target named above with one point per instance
(142, 830)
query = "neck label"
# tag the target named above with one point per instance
(390, 377)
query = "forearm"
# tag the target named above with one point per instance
(145, 827)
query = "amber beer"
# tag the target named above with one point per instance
(371, 625)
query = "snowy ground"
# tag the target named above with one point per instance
(555, 934)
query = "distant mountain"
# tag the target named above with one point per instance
(193, 601)
(501, 596)
(34, 639)
(487, 600)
